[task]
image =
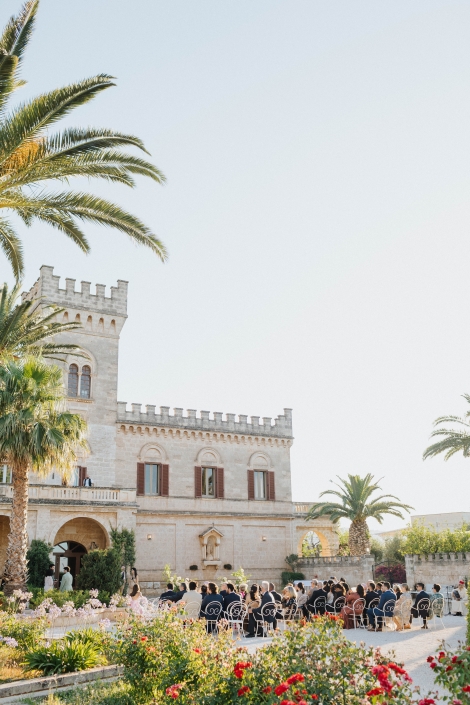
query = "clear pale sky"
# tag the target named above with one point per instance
(317, 214)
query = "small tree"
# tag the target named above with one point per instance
(38, 559)
(124, 543)
(101, 570)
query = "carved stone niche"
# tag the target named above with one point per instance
(210, 546)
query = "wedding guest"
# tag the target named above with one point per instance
(459, 600)
(49, 578)
(421, 610)
(437, 601)
(379, 612)
(192, 595)
(402, 611)
(353, 607)
(301, 596)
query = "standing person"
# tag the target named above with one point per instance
(459, 600)
(253, 601)
(135, 599)
(67, 580)
(134, 577)
(387, 596)
(87, 481)
(49, 578)
(123, 578)
(270, 619)
(421, 610)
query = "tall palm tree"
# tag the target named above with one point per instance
(355, 503)
(36, 434)
(26, 330)
(454, 441)
(31, 155)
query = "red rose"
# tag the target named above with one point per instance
(197, 651)
(144, 638)
(466, 689)
(296, 678)
(442, 654)
(287, 702)
(244, 689)
(374, 691)
(281, 688)
(430, 659)
(134, 641)
(449, 668)
(397, 669)
(427, 701)
(433, 665)
(454, 659)
(268, 689)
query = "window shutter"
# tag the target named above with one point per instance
(219, 485)
(140, 478)
(164, 482)
(81, 475)
(198, 481)
(271, 488)
(251, 484)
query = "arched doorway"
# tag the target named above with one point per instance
(311, 545)
(68, 553)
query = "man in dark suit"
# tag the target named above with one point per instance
(379, 611)
(180, 594)
(230, 596)
(169, 593)
(266, 597)
(421, 610)
(277, 596)
(309, 607)
(371, 594)
(215, 613)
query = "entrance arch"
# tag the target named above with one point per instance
(327, 536)
(311, 546)
(73, 540)
(68, 553)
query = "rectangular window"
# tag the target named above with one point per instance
(75, 479)
(152, 479)
(208, 482)
(5, 475)
(260, 484)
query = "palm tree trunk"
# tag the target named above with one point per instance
(16, 569)
(359, 543)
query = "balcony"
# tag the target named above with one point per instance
(83, 495)
(301, 507)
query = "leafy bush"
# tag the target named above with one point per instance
(38, 562)
(310, 662)
(26, 631)
(394, 573)
(452, 671)
(100, 570)
(64, 657)
(96, 693)
(288, 576)
(86, 636)
(423, 540)
(78, 597)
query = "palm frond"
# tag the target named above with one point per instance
(454, 441)
(18, 30)
(12, 248)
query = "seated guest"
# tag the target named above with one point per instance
(180, 594)
(312, 588)
(353, 607)
(459, 600)
(289, 602)
(231, 596)
(192, 596)
(421, 610)
(337, 592)
(223, 589)
(310, 607)
(266, 598)
(301, 596)
(213, 615)
(204, 591)
(276, 595)
(371, 594)
(243, 591)
(402, 612)
(437, 600)
(169, 592)
(397, 591)
(378, 612)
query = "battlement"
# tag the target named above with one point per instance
(281, 428)
(48, 290)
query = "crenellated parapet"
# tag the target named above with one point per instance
(282, 426)
(47, 289)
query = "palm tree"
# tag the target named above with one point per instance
(30, 155)
(25, 330)
(454, 441)
(36, 434)
(355, 503)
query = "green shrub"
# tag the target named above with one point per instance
(288, 576)
(26, 630)
(423, 540)
(78, 597)
(87, 636)
(38, 562)
(64, 657)
(100, 570)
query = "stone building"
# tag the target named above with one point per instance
(204, 493)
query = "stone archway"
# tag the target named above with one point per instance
(85, 531)
(4, 531)
(327, 536)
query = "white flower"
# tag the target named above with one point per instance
(94, 593)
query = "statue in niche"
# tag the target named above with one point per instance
(210, 551)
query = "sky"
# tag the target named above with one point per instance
(316, 212)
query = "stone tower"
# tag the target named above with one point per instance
(95, 396)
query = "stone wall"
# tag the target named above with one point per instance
(442, 568)
(354, 569)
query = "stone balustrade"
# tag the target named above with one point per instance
(301, 507)
(74, 494)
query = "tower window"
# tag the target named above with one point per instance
(208, 482)
(85, 382)
(73, 381)
(152, 478)
(260, 484)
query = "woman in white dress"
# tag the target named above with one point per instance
(459, 600)
(49, 579)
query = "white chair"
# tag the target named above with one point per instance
(422, 609)
(358, 613)
(319, 605)
(192, 610)
(236, 614)
(339, 604)
(389, 609)
(436, 612)
(268, 611)
(212, 614)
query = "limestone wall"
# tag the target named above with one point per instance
(442, 568)
(354, 569)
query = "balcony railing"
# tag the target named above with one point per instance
(83, 494)
(301, 507)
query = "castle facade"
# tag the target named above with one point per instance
(205, 493)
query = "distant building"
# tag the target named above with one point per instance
(446, 520)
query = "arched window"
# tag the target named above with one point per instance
(85, 382)
(73, 381)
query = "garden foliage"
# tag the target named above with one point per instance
(65, 656)
(424, 540)
(100, 570)
(38, 558)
